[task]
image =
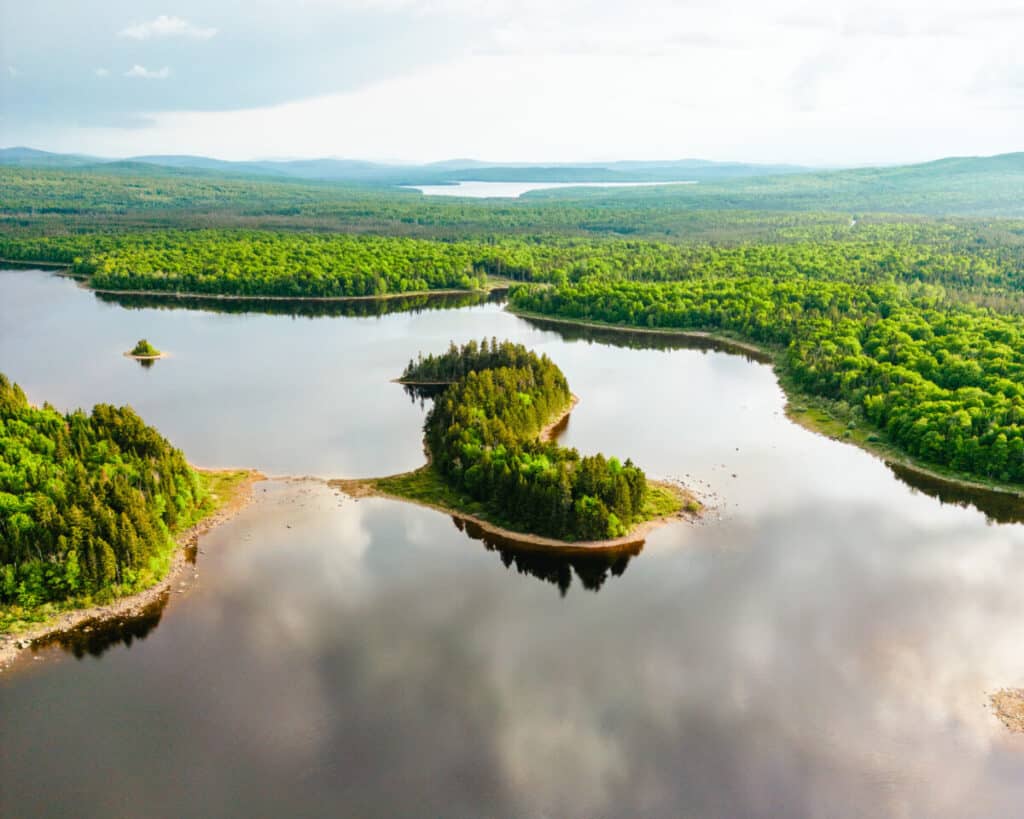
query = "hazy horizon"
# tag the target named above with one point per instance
(783, 81)
(513, 162)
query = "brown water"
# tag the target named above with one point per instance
(820, 645)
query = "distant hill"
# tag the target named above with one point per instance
(32, 158)
(968, 186)
(452, 170)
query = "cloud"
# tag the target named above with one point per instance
(103, 72)
(14, 72)
(141, 72)
(164, 26)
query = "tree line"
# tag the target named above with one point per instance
(301, 265)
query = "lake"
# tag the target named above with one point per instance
(820, 644)
(513, 190)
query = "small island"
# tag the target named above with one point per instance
(492, 460)
(144, 351)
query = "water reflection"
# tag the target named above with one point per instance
(592, 566)
(821, 650)
(997, 507)
(639, 340)
(96, 637)
(422, 393)
(299, 308)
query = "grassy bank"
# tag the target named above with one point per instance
(426, 487)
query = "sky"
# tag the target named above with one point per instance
(823, 83)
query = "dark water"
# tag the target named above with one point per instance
(820, 645)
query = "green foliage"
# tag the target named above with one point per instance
(959, 258)
(458, 362)
(483, 437)
(144, 348)
(87, 502)
(945, 381)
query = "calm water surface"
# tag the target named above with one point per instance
(820, 645)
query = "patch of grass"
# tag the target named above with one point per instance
(662, 501)
(425, 485)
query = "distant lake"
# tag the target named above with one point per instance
(513, 190)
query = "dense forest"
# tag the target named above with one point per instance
(88, 503)
(253, 263)
(248, 263)
(483, 437)
(943, 381)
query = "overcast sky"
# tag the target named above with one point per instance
(821, 82)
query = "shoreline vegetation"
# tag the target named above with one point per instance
(494, 285)
(814, 413)
(424, 487)
(491, 287)
(492, 459)
(229, 491)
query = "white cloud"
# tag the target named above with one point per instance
(141, 72)
(102, 72)
(856, 82)
(164, 26)
(14, 72)
(601, 107)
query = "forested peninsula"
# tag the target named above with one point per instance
(91, 506)
(489, 459)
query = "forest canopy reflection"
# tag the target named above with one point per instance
(96, 637)
(297, 308)
(556, 566)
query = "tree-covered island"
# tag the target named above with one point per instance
(143, 349)
(489, 459)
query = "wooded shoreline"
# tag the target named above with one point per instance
(14, 644)
(794, 399)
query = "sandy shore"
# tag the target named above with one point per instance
(147, 357)
(554, 429)
(1008, 705)
(125, 607)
